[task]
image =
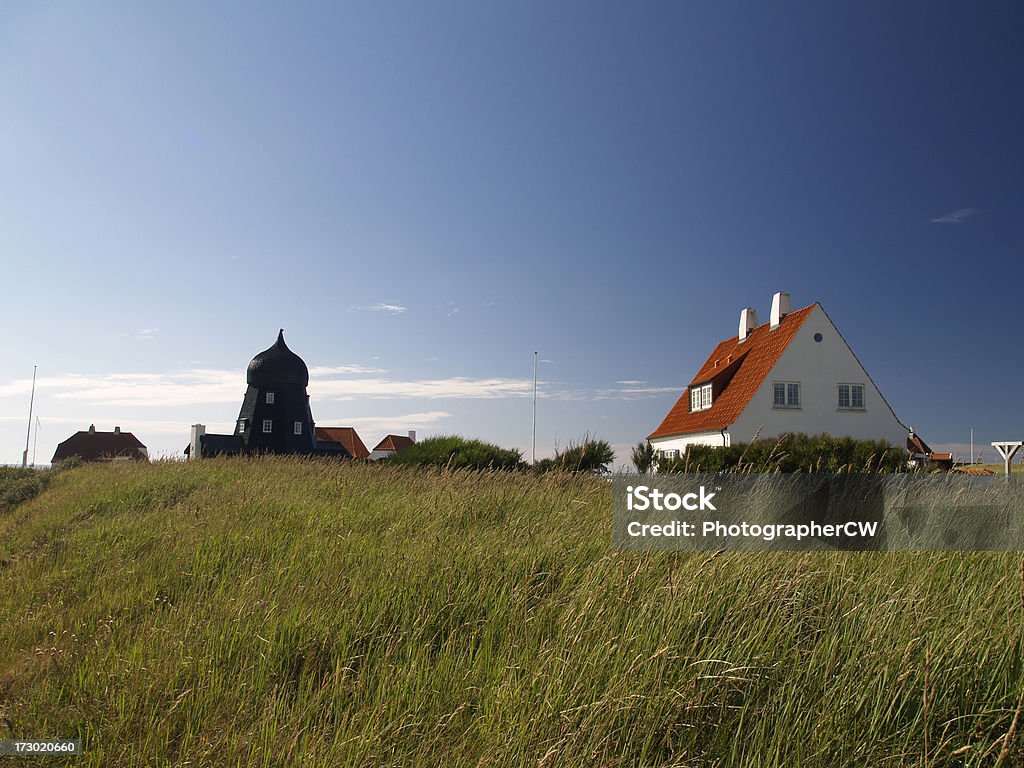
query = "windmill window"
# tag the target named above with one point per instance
(268, 426)
(298, 428)
(270, 398)
(241, 426)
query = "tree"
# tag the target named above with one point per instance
(589, 455)
(643, 457)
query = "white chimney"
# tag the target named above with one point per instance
(412, 435)
(781, 306)
(195, 450)
(748, 321)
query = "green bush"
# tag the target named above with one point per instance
(589, 455)
(792, 453)
(456, 452)
(18, 485)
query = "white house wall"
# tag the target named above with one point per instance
(682, 442)
(819, 367)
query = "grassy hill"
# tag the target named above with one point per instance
(291, 612)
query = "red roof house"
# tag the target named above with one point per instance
(345, 436)
(795, 373)
(101, 446)
(392, 444)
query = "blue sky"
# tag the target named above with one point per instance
(422, 194)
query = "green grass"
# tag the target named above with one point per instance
(289, 612)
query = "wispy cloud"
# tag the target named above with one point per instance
(391, 309)
(320, 371)
(144, 389)
(634, 391)
(197, 386)
(955, 217)
(453, 387)
(146, 333)
(399, 423)
(337, 383)
(136, 426)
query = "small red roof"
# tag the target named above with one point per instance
(394, 443)
(747, 362)
(348, 437)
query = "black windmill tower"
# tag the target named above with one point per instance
(275, 415)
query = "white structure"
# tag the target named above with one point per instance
(795, 373)
(1007, 448)
(194, 444)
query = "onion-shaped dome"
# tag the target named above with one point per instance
(277, 366)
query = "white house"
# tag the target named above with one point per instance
(795, 373)
(392, 444)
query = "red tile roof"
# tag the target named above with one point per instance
(394, 443)
(757, 355)
(348, 437)
(916, 444)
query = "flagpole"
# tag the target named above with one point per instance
(534, 408)
(31, 402)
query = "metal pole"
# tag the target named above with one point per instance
(534, 461)
(972, 446)
(35, 441)
(31, 402)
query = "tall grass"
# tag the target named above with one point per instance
(275, 612)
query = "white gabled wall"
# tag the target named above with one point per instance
(819, 367)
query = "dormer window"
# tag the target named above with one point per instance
(700, 397)
(270, 398)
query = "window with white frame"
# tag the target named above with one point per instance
(700, 397)
(851, 397)
(241, 426)
(270, 398)
(298, 428)
(786, 394)
(268, 425)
